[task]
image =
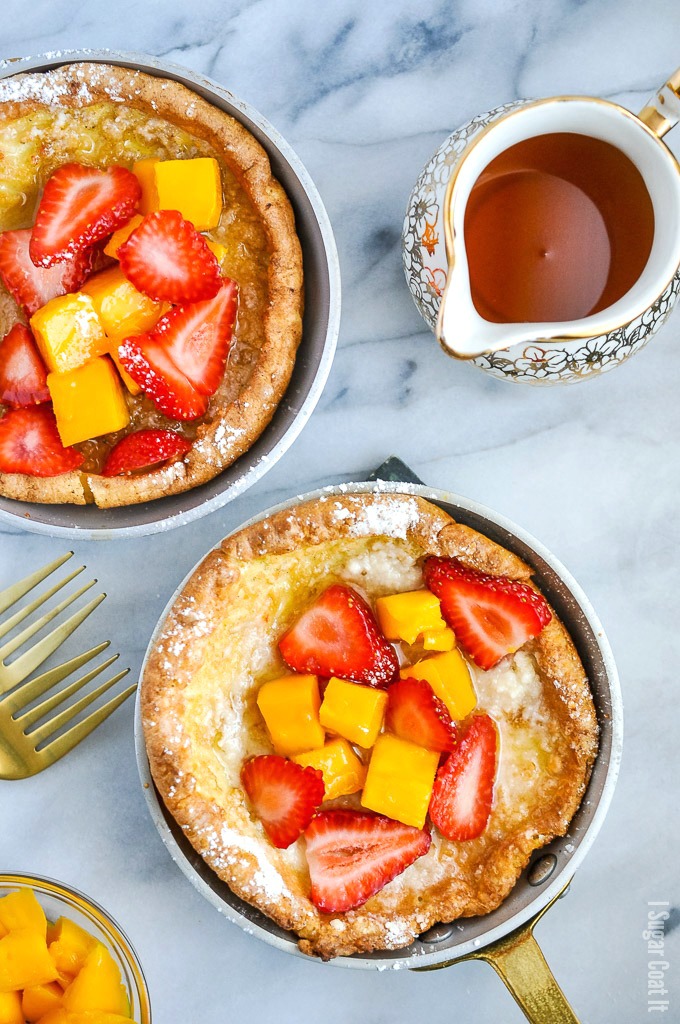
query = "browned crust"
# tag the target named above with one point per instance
(243, 420)
(202, 815)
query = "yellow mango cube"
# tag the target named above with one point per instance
(290, 708)
(88, 401)
(353, 711)
(406, 616)
(121, 236)
(97, 986)
(145, 173)
(24, 960)
(69, 945)
(39, 1000)
(194, 187)
(64, 1016)
(122, 310)
(343, 772)
(449, 676)
(399, 780)
(10, 1009)
(68, 332)
(21, 909)
(439, 639)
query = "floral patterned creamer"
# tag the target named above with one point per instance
(562, 361)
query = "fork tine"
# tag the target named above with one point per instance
(50, 703)
(39, 735)
(26, 663)
(23, 695)
(17, 590)
(63, 744)
(23, 613)
(34, 627)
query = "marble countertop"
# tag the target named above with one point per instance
(365, 92)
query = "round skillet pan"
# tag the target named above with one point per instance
(503, 938)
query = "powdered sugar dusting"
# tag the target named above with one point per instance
(385, 517)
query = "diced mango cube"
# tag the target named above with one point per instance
(10, 1008)
(290, 708)
(400, 779)
(449, 677)
(62, 1016)
(353, 711)
(3, 930)
(218, 250)
(194, 187)
(39, 1000)
(69, 945)
(343, 772)
(88, 401)
(145, 173)
(121, 235)
(122, 310)
(21, 909)
(24, 960)
(406, 616)
(439, 639)
(97, 986)
(68, 332)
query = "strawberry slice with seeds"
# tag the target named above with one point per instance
(180, 363)
(339, 636)
(353, 855)
(284, 795)
(414, 713)
(79, 207)
(197, 336)
(30, 286)
(463, 789)
(167, 259)
(149, 365)
(30, 443)
(492, 616)
(23, 375)
(142, 449)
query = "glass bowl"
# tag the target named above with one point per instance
(58, 900)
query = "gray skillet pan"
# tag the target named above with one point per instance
(503, 938)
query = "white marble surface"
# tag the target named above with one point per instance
(365, 92)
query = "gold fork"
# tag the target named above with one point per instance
(27, 744)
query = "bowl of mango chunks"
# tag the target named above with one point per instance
(64, 960)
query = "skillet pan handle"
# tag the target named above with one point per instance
(519, 962)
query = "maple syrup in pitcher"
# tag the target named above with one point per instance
(557, 227)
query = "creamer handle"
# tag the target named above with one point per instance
(662, 112)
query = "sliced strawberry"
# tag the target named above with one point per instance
(166, 258)
(414, 713)
(80, 206)
(463, 789)
(142, 449)
(30, 443)
(339, 636)
(197, 337)
(23, 375)
(284, 795)
(30, 286)
(491, 615)
(353, 855)
(149, 365)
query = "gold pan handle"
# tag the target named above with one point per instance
(519, 962)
